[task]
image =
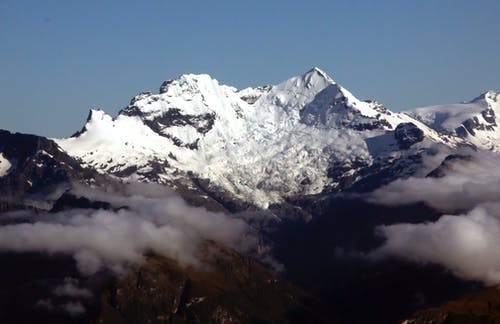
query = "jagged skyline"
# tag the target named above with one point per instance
(61, 59)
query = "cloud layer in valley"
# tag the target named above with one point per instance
(466, 244)
(470, 178)
(466, 240)
(155, 220)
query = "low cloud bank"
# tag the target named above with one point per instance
(470, 179)
(156, 220)
(466, 243)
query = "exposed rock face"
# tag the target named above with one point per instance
(408, 134)
(68, 201)
(231, 289)
(173, 117)
(39, 166)
(486, 120)
(472, 125)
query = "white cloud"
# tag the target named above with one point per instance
(70, 289)
(157, 220)
(469, 182)
(467, 243)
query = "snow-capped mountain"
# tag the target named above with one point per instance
(306, 135)
(287, 147)
(475, 121)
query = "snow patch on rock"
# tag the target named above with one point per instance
(5, 165)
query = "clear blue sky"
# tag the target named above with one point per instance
(60, 58)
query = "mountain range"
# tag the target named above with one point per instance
(261, 146)
(293, 154)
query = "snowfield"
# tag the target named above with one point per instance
(261, 145)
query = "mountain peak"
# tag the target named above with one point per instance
(97, 114)
(481, 97)
(490, 94)
(189, 80)
(317, 73)
(316, 69)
